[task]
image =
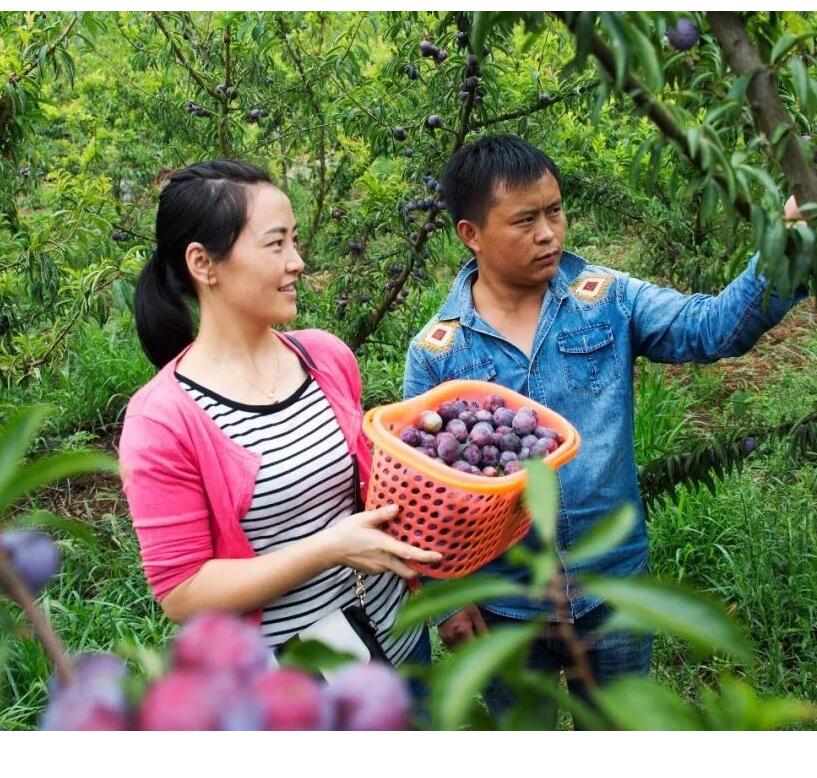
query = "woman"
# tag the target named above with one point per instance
(240, 457)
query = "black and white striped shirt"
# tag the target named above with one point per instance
(305, 483)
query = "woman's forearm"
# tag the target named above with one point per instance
(243, 585)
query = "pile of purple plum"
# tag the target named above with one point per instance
(488, 439)
(220, 679)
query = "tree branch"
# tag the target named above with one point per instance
(767, 107)
(18, 591)
(540, 105)
(179, 54)
(656, 110)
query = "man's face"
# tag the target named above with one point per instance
(521, 239)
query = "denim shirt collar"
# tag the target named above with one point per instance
(460, 303)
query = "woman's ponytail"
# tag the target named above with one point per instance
(204, 203)
(163, 320)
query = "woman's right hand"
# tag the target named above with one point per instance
(356, 542)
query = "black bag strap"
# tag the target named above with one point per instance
(300, 346)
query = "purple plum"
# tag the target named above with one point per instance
(542, 447)
(482, 434)
(448, 411)
(411, 436)
(503, 417)
(492, 402)
(370, 696)
(507, 456)
(426, 439)
(472, 454)
(214, 641)
(491, 472)
(524, 452)
(469, 418)
(448, 448)
(458, 429)
(514, 466)
(462, 466)
(510, 442)
(502, 430)
(525, 422)
(292, 700)
(490, 455)
(94, 698)
(529, 441)
(486, 416)
(430, 421)
(33, 556)
(684, 35)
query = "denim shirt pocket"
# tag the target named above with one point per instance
(588, 357)
(471, 370)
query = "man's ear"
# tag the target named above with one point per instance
(468, 234)
(199, 264)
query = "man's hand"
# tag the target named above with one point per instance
(463, 626)
(791, 211)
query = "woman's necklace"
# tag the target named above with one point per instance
(270, 393)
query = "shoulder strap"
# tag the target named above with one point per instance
(300, 346)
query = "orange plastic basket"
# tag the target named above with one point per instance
(469, 519)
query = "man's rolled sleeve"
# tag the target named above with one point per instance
(668, 326)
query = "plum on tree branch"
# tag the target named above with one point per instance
(764, 99)
(654, 108)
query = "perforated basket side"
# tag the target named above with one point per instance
(469, 529)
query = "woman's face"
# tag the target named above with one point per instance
(258, 277)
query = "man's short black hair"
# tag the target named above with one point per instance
(476, 169)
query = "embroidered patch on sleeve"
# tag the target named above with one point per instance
(440, 336)
(590, 288)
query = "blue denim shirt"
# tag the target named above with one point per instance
(593, 324)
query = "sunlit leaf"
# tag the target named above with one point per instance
(438, 598)
(604, 535)
(542, 498)
(645, 604)
(636, 703)
(458, 679)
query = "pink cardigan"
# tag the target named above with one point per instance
(188, 484)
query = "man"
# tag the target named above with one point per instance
(542, 321)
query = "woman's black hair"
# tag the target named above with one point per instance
(204, 203)
(476, 169)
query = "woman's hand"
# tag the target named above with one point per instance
(356, 542)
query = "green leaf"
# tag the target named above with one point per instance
(774, 241)
(636, 703)
(435, 599)
(643, 604)
(604, 536)
(542, 498)
(542, 564)
(738, 89)
(15, 439)
(481, 24)
(312, 655)
(549, 686)
(785, 43)
(78, 530)
(738, 707)
(648, 58)
(52, 468)
(459, 679)
(800, 79)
